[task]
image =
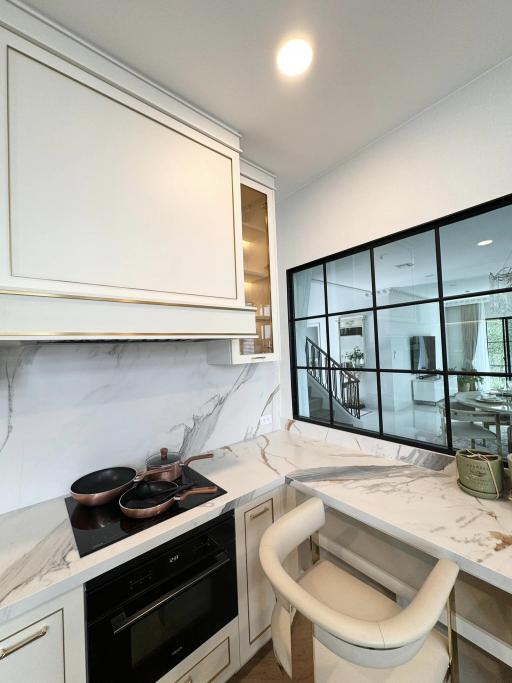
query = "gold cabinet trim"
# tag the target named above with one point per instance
(149, 302)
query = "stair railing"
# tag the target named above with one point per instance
(344, 386)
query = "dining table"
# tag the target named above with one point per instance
(495, 403)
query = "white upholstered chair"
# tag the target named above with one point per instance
(361, 635)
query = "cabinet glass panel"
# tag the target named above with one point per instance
(312, 396)
(354, 399)
(481, 413)
(352, 340)
(478, 333)
(311, 342)
(410, 338)
(476, 254)
(412, 408)
(257, 269)
(406, 270)
(308, 292)
(349, 283)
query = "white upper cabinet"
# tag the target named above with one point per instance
(260, 272)
(109, 198)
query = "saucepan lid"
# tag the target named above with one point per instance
(162, 459)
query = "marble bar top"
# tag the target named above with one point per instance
(420, 506)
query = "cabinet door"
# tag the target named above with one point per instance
(260, 277)
(210, 667)
(110, 197)
(37, 648)
(260, 596)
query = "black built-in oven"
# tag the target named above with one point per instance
(144, 617)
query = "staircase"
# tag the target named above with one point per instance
(343, 387)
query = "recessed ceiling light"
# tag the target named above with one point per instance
(485, 243)
(294, 57)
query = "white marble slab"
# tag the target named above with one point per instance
(69, 409)
(420, 506)
(372, 445)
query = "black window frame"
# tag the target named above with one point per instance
(435, 226)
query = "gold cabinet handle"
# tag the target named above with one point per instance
(255, 515)
(6, 651)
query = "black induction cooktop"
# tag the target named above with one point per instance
(96, 527)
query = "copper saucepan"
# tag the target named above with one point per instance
(169, 465)
(143, 508)
(104, 486)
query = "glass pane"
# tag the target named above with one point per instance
(352, 340)
(476, 254)
(349, 283)
(313, 394)
(308, 292)
(410, 338)
(406, 270)
(411, 407)
(257, 269)
(481, 413)
(311, 342)
(477, 336)
(354, 400)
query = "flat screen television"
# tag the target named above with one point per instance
(423, 353)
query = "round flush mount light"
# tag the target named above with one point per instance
(294, 57)
(485, 243)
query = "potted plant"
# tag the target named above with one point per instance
(355, 357)
(469, 382)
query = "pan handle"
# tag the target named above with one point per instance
(197, 457)
(196, 491)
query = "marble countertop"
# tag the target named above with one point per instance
(420, 506)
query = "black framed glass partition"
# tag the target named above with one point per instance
(409, 337)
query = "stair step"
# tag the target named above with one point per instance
(320, 414)
(315, 403)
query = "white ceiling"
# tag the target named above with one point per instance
(377, 63)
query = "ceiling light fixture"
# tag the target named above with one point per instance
(294, 57)
(485, 243)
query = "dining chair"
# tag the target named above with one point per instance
(464, 423)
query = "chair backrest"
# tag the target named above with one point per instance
(383, 644)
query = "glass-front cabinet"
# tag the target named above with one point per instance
(260, 272)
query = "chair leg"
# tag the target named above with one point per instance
(315, 547)
(452, 639)
(303, 667)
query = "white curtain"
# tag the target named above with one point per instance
(467, 337)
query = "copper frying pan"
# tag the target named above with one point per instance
(104, 486)
(143, 508)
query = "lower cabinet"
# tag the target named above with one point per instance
(213, 662)
(39, 647)
(47, 644)
(255, 595)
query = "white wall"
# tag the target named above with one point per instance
(455, 155)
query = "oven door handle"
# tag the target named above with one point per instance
(128, 621)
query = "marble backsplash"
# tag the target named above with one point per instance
(368, 445)
(68, 409)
